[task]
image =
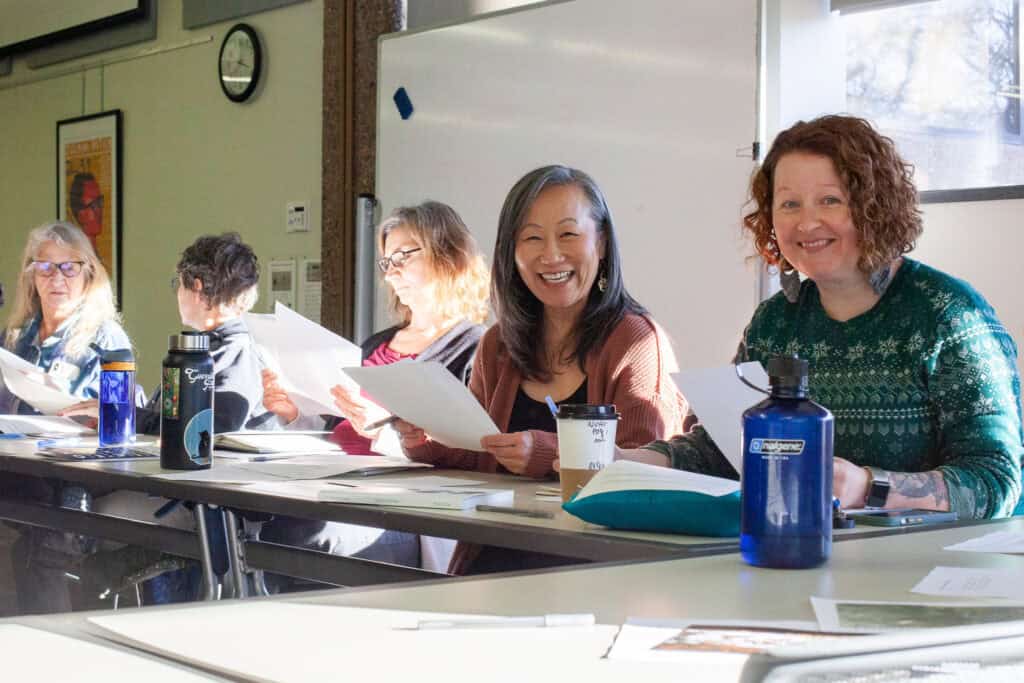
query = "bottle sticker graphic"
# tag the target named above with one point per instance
(199, 435)
(170, 392)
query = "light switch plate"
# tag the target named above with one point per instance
(296, 217)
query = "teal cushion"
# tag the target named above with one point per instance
(673, 512)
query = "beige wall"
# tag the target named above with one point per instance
(194, 162)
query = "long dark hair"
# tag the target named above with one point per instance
(520, 314)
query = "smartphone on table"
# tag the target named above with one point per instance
(901, 517)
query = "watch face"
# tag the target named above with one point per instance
(239, 63)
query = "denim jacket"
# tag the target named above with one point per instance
(79, 375)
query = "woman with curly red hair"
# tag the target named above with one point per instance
(914, 364)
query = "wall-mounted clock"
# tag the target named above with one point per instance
(240, 62)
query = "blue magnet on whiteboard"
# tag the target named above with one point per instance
(403, 103)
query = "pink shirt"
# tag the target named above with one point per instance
(344, 434)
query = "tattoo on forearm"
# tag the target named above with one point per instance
(921, 485)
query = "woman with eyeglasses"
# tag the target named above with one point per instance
(438, 284)
(63, 305)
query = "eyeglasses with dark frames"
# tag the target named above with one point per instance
(397, 259)
(49, 269)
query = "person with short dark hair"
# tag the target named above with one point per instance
(914, 364)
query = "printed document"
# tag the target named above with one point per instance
(872, 617)
(430, 397)
(719, 397)
(32, 385)
(444, 498)
(306, 357)
(43, 424)
(971, 582)
(1010, 542)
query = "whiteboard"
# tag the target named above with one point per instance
(653, 98)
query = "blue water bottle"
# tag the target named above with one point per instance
(117, 397)
(786, 519)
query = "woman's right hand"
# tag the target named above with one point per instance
(411, 435)
(277, 400)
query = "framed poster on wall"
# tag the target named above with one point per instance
(89, 183)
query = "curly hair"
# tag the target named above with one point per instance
(227, 267)
(879, 183)
(459, 273)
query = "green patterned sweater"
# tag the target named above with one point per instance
(925, 380)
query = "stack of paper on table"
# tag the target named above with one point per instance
(32, 385)
(43, 425)
(719, 397)
(306, 357)
(298, 467)
(275, 442)
(626, 475)
(430, 397)
(441, 498)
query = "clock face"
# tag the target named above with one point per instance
(239, 63)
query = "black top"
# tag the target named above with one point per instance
(238, 397)
(530, 414)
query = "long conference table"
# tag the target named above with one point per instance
(328, 634)
(562, 534)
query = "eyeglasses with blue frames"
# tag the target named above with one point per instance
(49, 269)
(397, 259)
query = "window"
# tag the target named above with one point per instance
(943, 80)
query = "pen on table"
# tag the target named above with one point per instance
(545, 621)
(13, 435)
(59, 443)
(522, 512)
(391, 419)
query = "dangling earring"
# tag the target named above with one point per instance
(602, 278)
(790, 283)
(880, 279)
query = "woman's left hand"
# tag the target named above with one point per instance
(88, 409)
(513, 450)
(849, 483)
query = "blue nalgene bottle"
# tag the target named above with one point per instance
(117, 398)
(786, 519)
(186, 403)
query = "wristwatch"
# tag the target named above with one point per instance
(878, 489)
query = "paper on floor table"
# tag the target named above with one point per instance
(971, 582)
(306, 357)
(626, 475)
(42, 424)
(1010, 542)
(430, 397)
(302, 642)
(32, 385)
(29, 654)
(718, 398)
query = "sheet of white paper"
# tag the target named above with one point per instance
(430, 397)
(970, 582)
(32, 385)
(327, 465)
(1010, 542)
(29, 654)
(427, 481)
(220, 473)
(301, 642)
(307, 357)
(42, 424)
(866, 616)
(626, 475)
(718, 398)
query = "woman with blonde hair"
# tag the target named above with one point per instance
(63, 306)
(438, 288)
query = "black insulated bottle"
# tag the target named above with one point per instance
(186, 403)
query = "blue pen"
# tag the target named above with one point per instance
(551, 405)
(13, 435)
(59, 443)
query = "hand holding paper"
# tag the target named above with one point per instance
(32, 385)
(430, 397)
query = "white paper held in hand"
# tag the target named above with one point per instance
(32, 385)
(718, 397)
(308, 357)
(430, 397)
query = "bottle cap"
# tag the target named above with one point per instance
(116, 360)
(788, 372)
(586, 411)
(189, 341)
